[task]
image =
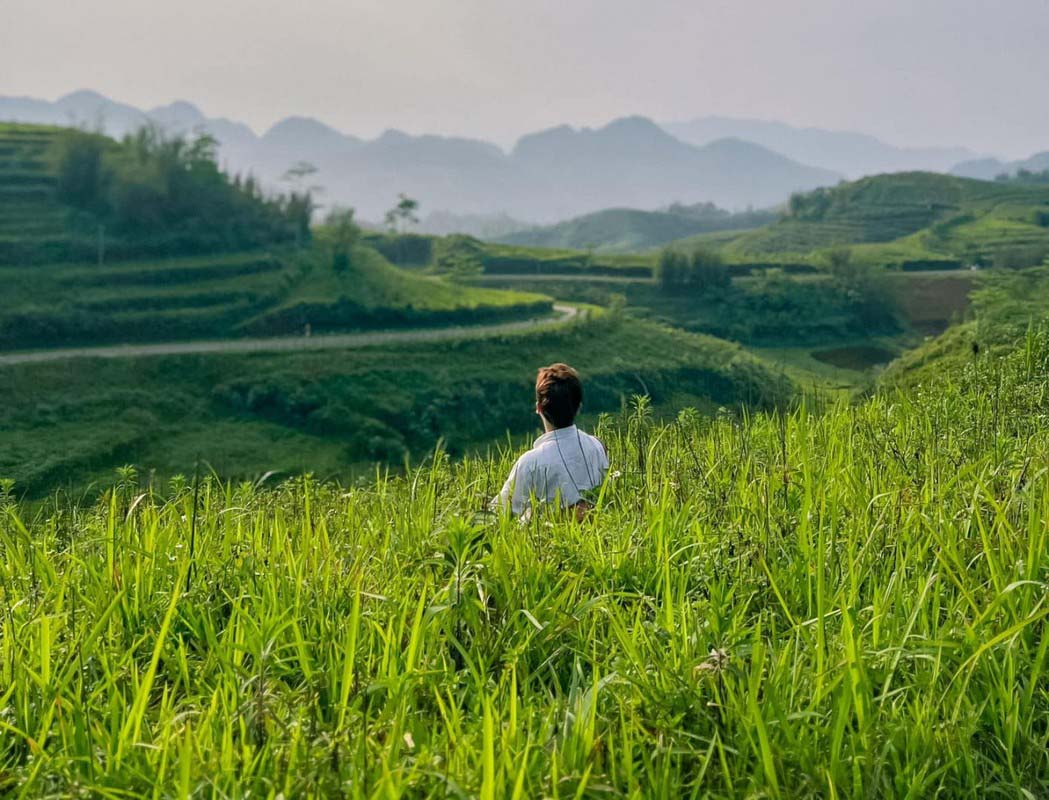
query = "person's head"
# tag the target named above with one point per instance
(558, 395)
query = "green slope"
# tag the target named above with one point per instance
(909, 220)
(1004, 308)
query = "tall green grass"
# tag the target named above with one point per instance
(832, 602)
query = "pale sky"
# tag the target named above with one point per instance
(913, 72)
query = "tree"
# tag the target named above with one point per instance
(707, 271)
(702, 271)
(402, 215)
(300, 204)
(82, 179)
(864, 287)
(344, 234)
(670, 269)
(297, 174)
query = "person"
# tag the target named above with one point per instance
(564, 463)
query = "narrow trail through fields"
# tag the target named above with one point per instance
(335, 341)
(559, 276)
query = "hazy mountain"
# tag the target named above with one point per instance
(84, 109)
(633, 163)
(549, 175)
(482, 226)
(987, 169)
(852, 154)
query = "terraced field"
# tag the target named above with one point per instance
(27, 187)
(911, 220)
(262, 293)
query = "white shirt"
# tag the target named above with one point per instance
(565, 462)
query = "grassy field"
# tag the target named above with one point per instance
(66, 424)
(840, 602)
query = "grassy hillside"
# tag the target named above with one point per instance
(910, 220)
(334, 413)
(845, 604)
(1004, 306)
(626, 230)
(263, 292)
(68, 195)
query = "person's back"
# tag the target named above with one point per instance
(564, 463)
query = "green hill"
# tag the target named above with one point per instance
(67, 195)
(99, 242)
(910, 220)
(841, 604)
(626, 230)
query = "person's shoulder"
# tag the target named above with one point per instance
(592, 440)
(529, 458)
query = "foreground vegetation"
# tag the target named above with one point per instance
(64, 425)
(820, 603)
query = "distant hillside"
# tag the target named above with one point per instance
(549, 176)
(482, 226)
(911, 220)
(630, 230)
(987, 169)
(852, 154)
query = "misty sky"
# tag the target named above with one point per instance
(969, 72)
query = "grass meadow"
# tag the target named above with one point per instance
(841, 601)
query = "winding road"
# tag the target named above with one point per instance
(278, 344)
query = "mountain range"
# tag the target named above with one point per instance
(854, 155)
(549, 175)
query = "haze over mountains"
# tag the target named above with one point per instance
(548, 176)
(852, 154)
(987, 169)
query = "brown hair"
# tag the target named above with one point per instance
(558, 393)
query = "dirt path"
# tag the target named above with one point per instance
(559, 276)
(335, 341)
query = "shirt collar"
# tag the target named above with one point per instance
(558, 434)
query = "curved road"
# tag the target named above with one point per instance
(335, 341)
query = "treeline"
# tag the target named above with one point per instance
(1025, 176)
(168, 195)
(699, 271)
